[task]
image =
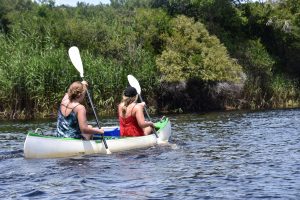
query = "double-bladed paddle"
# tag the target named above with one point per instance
(77, 62)
(133, 82)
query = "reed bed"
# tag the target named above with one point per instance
(285, 92)
(35, 77)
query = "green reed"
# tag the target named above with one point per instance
(34, 75)
(285, 92)
(278, 91)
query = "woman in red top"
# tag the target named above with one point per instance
(131, 115)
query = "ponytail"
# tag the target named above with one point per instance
(127, 101)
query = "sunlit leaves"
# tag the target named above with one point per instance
(192, 53)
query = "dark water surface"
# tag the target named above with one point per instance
(228, 155)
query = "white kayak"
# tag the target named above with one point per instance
(41, 146)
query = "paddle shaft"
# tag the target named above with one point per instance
(154, 131)
(96, 117)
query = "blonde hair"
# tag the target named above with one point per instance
(127, 101)
(75, 90)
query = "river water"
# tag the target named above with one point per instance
(224, 155)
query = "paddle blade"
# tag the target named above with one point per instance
(133, 82)
(76, 59)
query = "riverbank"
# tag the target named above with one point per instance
(4, 116)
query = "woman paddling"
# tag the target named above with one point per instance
(131, 115)
(72, 120)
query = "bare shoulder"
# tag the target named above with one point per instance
(80, 108)
(120, 106)
(66, 96)
(65, 100)
(138, 107)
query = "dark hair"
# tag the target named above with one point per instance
(129, 96)
(130, 92)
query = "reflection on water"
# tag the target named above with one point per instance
(227, 155)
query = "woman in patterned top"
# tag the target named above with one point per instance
(72, 121)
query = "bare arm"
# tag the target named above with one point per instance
(83, 125)
(139, 114)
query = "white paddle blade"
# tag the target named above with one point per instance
(76, 59)
(134, 83)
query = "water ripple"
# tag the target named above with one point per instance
(230, 155)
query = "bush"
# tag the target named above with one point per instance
(191, 53)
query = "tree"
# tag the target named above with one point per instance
(192, 53)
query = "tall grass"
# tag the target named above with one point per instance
(34, 75)
(35, 70)
(108, 78)
(277, 92)
(32, 78)
(285, 92)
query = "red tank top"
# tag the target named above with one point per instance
(129, 127)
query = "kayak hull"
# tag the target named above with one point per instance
(40, 146)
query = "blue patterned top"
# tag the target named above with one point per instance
(68, 126)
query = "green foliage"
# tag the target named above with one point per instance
(221, 17)
(285, 92)
(150, 26)
(10, 6)
(276, 24)
(192, 53)
(147, 39)
(258, 64)
(38, 43)
(31, 79)
(255, 58)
